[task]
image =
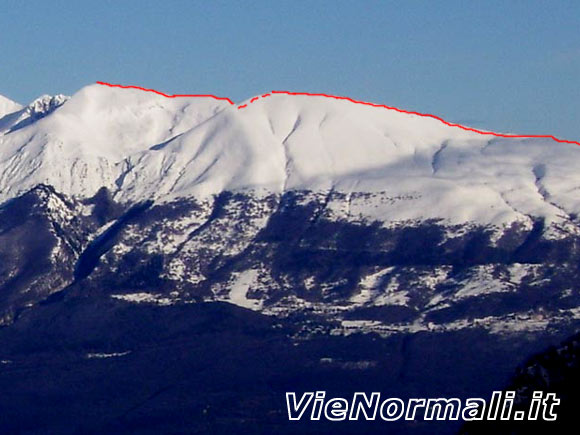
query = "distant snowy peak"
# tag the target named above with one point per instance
(8, 106)
(38, 109)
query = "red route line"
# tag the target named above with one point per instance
(165, 95)
(427, 115)
(424, 115)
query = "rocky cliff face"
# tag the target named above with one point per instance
(291, 255)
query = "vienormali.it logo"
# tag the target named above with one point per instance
(362, 406)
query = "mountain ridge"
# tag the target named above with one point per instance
(144, 146)
(366, 103)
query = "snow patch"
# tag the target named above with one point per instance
(145, 298)
(107, 355)
(239, 288)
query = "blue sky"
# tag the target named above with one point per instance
(511, 66)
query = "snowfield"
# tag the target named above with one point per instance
(141, 145)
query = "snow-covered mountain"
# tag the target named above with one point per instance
(284, 238)
(82, 145)
(141, 145)
(23, 116)
(202, 184)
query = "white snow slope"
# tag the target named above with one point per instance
(8, 106)
(7, 109)
(142, 145)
